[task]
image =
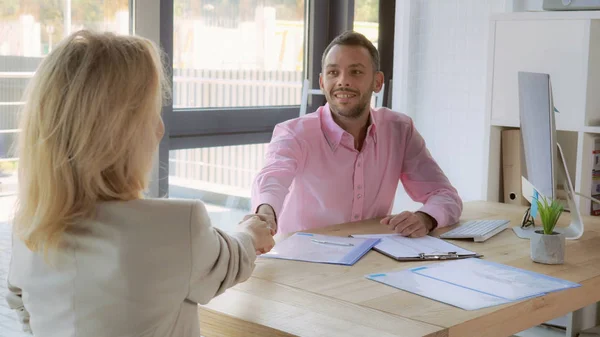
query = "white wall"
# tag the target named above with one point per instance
(441, 78)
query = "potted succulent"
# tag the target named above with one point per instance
(548, 246)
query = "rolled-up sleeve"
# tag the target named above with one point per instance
(218, 260)
(425, 182)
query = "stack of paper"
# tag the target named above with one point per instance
(322, 248)
(472, 283)
(408, 249)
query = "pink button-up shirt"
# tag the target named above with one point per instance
(314, 177)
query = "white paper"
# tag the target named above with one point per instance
(472, 283)
(400, 246)
(447, 293)
(493, 278)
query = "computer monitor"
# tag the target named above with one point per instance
(544, 164)
(538, 132)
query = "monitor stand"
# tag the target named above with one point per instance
(575, 228)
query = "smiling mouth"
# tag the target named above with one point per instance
(344, 94)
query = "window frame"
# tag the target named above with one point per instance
(187, 128)
(206, 127)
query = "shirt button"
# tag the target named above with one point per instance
(359, 196)
(355, 216)
(358, 165)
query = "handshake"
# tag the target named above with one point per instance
(261, 227)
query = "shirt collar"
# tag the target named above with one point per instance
(333, 132)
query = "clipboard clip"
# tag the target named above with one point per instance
(439, 256)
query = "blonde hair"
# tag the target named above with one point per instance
(89, 129)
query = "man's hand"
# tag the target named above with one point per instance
(265, 213)
(410, 224)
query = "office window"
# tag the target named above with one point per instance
(366, 22)
(29, 30)
(219, 176)
(366, 19)
(237, 71)
(238, 53)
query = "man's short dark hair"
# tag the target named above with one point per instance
(352, 38)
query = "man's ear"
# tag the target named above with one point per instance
(378, 83)
(321, 80)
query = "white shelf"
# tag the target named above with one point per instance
(547, 15)
(541, 331)
(591, 129)
(510, 124)
(504, 123)
(565, 45)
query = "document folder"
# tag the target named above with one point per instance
(322, 248)
(415, 249)
(472, 284)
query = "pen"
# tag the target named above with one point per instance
(332, 243)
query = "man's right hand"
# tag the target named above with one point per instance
(260, 232)
(266, 213)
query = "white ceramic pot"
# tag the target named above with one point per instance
(548, 248)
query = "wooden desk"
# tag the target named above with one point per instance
(291, 298)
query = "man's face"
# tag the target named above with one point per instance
(348, 80)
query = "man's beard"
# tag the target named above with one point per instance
(352, 112)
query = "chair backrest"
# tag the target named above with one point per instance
(307, 91)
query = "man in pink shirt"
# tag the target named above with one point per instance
(343, 162)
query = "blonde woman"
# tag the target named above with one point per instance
(91, 256)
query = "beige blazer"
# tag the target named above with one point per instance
(138, 269)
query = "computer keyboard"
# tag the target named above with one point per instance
(478, 230)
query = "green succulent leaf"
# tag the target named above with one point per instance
(549, 213)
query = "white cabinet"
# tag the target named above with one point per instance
(556, 47)
(565, 45)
